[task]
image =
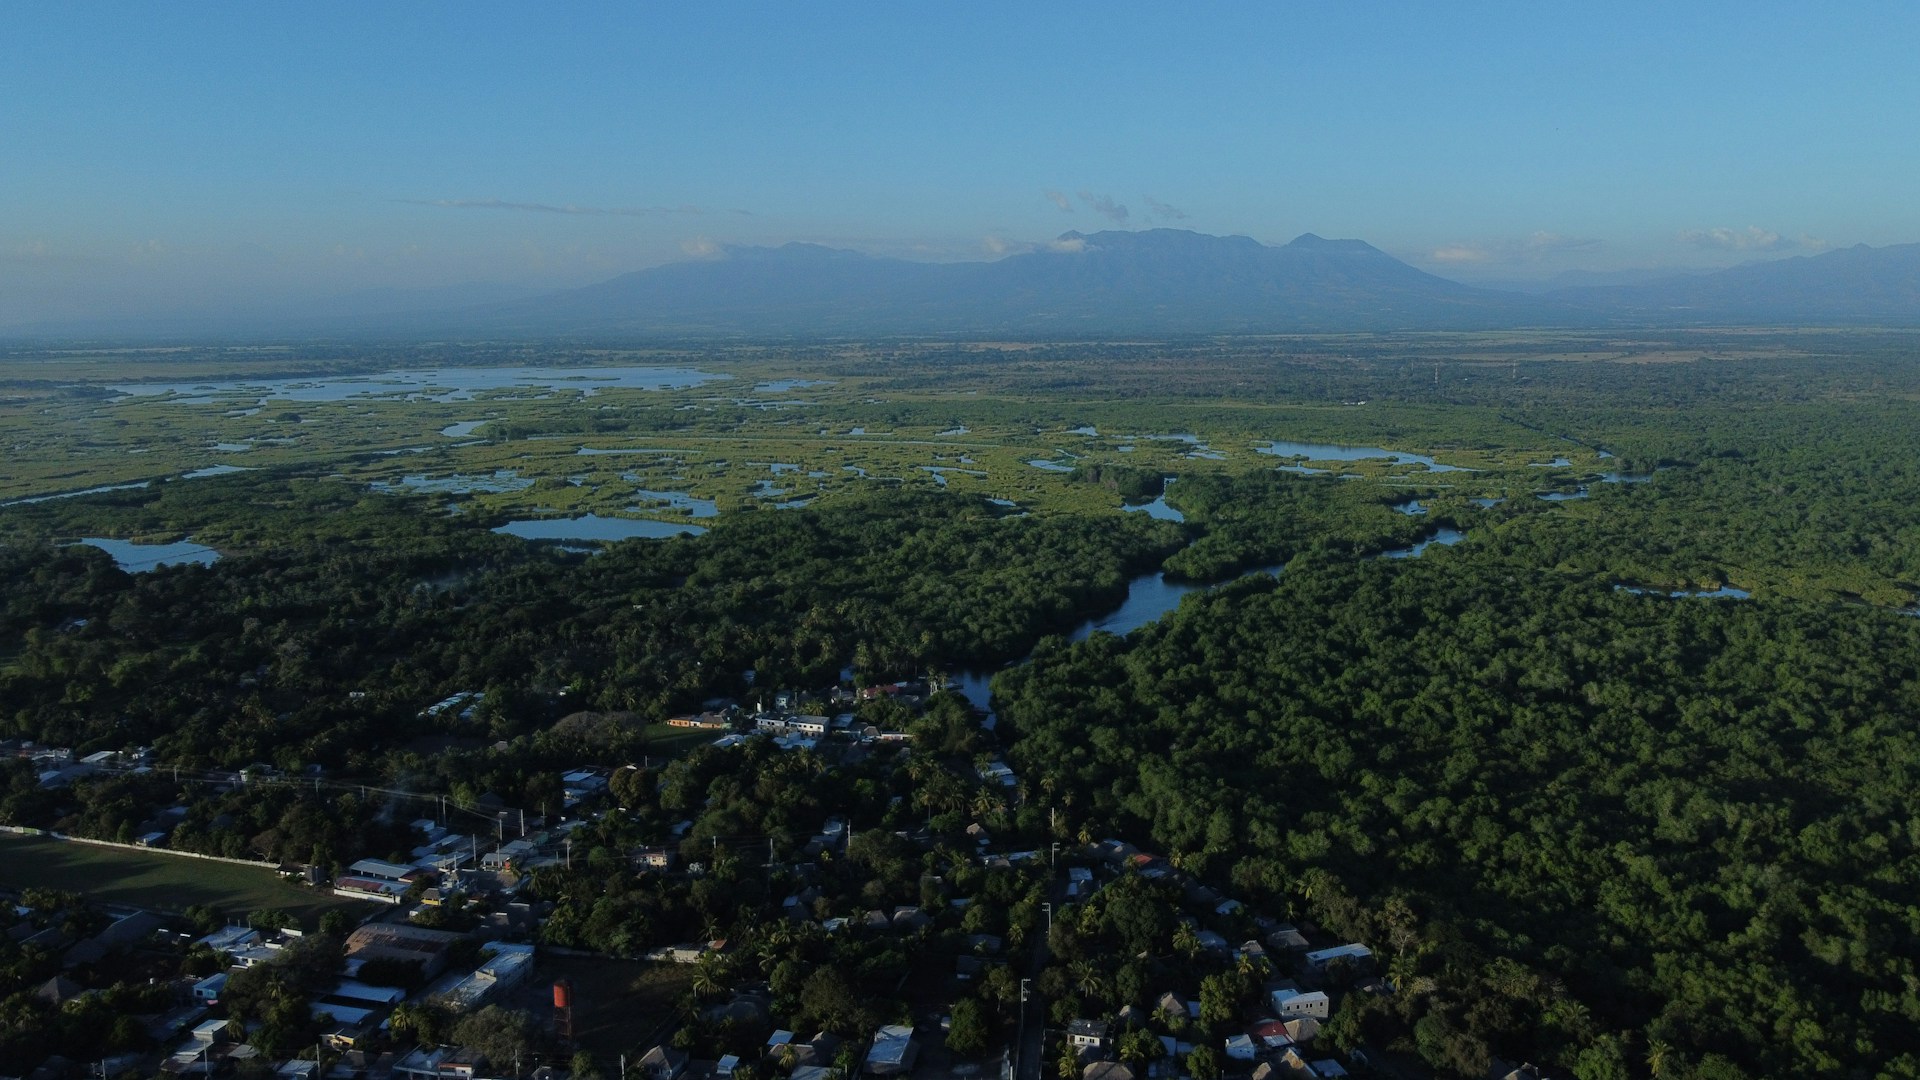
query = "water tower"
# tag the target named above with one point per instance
(563, 1011)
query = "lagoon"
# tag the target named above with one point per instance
(594, 527)
(1337, 452)
(139, 558)
(1445, 536)
(680, 500)
(75, 494)
(1149, 597)
(457, 483)
(1724, 592)
(1157, 509)
(428, 384)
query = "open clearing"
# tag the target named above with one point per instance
(619, 1006)
(158, 882)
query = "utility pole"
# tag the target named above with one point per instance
(1020, 1043)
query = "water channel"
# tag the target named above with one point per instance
(1336, 452)
(431, 384)
(1151, 596)
(596, 528)
(139, 558)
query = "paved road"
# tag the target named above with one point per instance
(1033, 1035)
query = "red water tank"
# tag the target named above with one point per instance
(563, 994)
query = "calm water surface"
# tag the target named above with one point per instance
(595, 527)
(139, 558)
(432, 384)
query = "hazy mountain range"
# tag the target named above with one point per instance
(1154, 281)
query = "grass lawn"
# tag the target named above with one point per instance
(671, 742)
(159, 882)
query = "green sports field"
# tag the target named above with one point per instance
(159, 882)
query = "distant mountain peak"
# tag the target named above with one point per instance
(1315, 242)
(792, 251)
(1160, 240)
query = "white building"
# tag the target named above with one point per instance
(1290, 1004)
(1355, 953)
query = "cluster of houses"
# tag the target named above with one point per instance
(57, 767)
(791, 730)
(351, 1010)
(459, 971)
(1276, 1044)
(796, 720)
(355, 1010)
(892, 1052)
(448, 861)
(1279, 1042)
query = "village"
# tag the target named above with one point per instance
(898, 909)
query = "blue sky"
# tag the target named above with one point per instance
(204, 154)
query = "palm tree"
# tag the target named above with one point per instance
(1659, 1055)
(1088, 980)
(709, 976)
(1570, 1015)
(985, 803)
(1253, 966)
(1400, 970)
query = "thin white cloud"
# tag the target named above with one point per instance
(702, 247)
(1543, 242)
(1105, 207)
(1751, 238)
(1059, 199)
(1538, 246)
(1000, 245)
(569, 209)
(1162, 211)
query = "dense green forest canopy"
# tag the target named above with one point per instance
(1698, 817)
(327, 591)
(1584, 825)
